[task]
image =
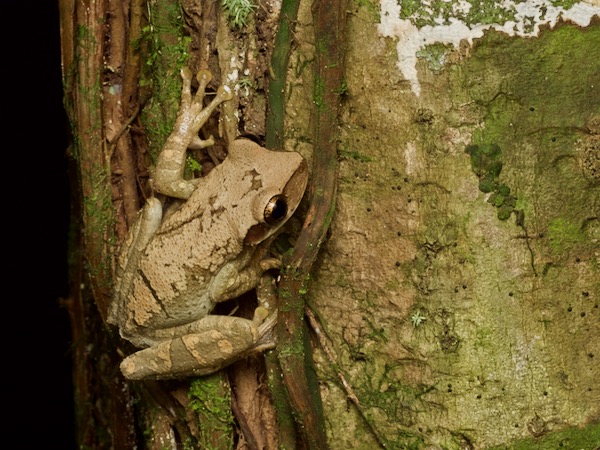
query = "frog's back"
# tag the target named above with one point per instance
(177, 268)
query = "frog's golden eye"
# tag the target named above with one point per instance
(276, 209)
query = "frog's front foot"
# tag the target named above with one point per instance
(213, 343)
(168, 174)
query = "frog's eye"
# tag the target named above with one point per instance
(276, 209)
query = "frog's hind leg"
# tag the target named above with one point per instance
(141, 232)
(208, 345)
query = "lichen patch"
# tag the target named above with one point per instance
(449, 23)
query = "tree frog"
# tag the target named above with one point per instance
(175, 266)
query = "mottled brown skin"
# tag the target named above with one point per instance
(172, 271)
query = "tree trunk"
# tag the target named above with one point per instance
(454, 302)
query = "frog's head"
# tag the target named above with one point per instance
(275, 182)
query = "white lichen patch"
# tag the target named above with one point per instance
(450, 22)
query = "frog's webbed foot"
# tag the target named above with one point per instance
(265, 315)
(168, 173)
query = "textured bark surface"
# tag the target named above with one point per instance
(460, 284)
(455, 302)
(121, 65)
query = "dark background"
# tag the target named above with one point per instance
(36, 343)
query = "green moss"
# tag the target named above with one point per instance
(504, 212)
(293, 350)
(503, 190)
(496, 199)
(279, 66)
(355, 155)
(487, 184)
(489, 11)
(371, 7)
(193, 165)
(210, 398)
(485, 159)
(571, 438)
(440, 11)
(487, 165)
(484, 338)
(318, 94)
(398, 402)
(343, 89)
(166, 51)
(563, 234)
(566, 4)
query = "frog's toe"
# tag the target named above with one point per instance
(267, 324)
(203, 76)
(260, 314)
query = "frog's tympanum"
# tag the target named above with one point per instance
(175, 267)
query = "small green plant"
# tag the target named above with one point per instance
(417, 319)
(246, 83)
(193, 165)
(343, 89)
(238, 11)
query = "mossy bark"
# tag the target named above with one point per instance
(454, 301)
(460, 281)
